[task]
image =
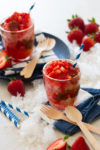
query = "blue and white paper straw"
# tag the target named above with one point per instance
(10, 115)
(4, 108)
(32, 6)
(78, 55)
(15, 108)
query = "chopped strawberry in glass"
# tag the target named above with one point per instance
(18, 35)
(61, 82)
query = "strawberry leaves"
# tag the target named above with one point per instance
(91, 20)
(74, 16)
(66, 137)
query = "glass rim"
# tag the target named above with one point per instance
(18, 31)
(69, 60)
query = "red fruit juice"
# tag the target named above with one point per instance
(18, 35)
(61, 82)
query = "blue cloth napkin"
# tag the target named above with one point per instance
(89, 109)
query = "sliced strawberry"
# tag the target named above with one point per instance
(16, 86)
(59, 144)
(17, 21)
(76, 35)
(80, 144)
(5, 60)
(88, 43)
(76, 21)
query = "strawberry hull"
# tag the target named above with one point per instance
(61, 92)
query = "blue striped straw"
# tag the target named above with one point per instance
(31, 7)
(10, 115)
(78, 55)
(16, 108)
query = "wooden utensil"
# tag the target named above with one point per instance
(42, 46)
(74, 115)
(52, 113)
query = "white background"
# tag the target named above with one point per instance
(51, 15)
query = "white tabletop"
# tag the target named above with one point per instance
(49, 16)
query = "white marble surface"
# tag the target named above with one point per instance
(49, 16)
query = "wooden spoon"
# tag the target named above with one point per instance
(42, 46)
(74, 115)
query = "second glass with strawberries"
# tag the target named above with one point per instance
(18, 35)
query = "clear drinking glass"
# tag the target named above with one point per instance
(19, 44)
(61, 93)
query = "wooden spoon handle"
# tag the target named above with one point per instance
(28, 70)
(89, 136)
(92, 128)
(88, 126)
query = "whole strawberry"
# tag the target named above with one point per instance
(91, 27)
(80, 144)
(76, 21)
(97, 37)
(16, 87)
(76, 35)
(88, 43)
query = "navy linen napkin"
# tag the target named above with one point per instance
(89, 109)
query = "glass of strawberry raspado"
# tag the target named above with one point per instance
(18, 35)
(62, 83)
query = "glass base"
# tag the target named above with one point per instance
(63, 106)
(21, 60)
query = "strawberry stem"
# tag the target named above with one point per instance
(68, 147)
(75, 27)
(68, 20)
(74, 16)
(67, 32)
(91, 20)
(12, 79)
(66, 137)
(8, 57)
(92, 35)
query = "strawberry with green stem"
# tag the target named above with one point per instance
(76, 34)
(88, 43)
(76, 21)
(91, 27)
